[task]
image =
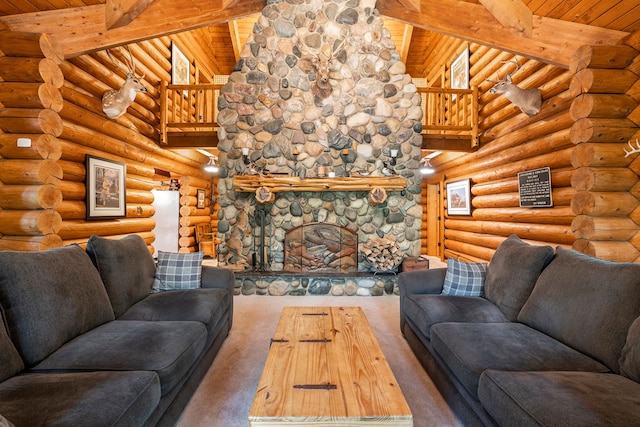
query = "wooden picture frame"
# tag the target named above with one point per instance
(202, 197)
(180, 66)
(105, 188)
(460, 71)
(459, 197)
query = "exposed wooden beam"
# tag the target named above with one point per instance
(514, 15)
(553, 41)
(435, 142)
(413, 5)
(235, 39)
(119, 13)
(83, 30)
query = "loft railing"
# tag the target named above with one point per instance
(450, 112)
(188, 109)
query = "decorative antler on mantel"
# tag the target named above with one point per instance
(635, 149)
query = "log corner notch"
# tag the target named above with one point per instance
(119, 13)
(513, 15)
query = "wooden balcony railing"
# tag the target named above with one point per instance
(450, 115)
(188, 110)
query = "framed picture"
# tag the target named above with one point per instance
(105, 188)
(460, 71)
(459, 197)
(180, 66)
(201, 199)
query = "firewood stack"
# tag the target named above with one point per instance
(383, 254)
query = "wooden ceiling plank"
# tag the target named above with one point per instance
(119, 13)
(553, 41)
(82, 30)
(513, 15)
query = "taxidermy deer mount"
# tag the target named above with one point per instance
(319, 64)
(116, 102)
(528, 100)
(635, 149)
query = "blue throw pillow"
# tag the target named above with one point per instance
(178, 271)
(464, 279)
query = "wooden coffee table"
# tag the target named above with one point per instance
(325, 367)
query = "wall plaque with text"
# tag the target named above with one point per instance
(535, 188)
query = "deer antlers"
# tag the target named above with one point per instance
(635, 149)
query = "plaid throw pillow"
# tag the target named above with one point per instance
(464, 279)
(178, 271)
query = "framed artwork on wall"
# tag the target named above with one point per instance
(459, 197)
(180, 66)
(460, 71)
(105, 188)
(202, 194)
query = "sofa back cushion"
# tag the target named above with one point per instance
(50, 297)
(587, 303)
(630, 359)
(512, 273)
(126, 267)
(10, 361)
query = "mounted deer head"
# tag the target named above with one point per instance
(116, 102)
(528, 100)
(319, 64)
(635, 149)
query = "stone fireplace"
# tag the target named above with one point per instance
(319, 93)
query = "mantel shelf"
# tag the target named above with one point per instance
(277, 184)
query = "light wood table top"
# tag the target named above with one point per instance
(325, 368)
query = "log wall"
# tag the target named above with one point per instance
(57, 104)
(589, 113)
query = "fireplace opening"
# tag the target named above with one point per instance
(320, 247)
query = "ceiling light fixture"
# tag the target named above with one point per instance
(211, 166)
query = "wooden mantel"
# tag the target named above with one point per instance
(277, 184)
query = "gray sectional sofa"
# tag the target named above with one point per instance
(553, 341)
(84, 341)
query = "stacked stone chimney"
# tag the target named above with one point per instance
(319, 89)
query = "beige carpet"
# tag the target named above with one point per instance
(226, 393)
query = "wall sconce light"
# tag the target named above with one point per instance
(394, 156)
(245, 155)
(211, 166)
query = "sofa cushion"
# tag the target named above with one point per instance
(127, 269)
(80, 399)
(10, 361)
(470, 348)
(50, 297)
(178, 271)
(424, 311)
(207, 306)
(512, 273)
(630, 359)
(464, 279)
(168, 348)
(560, 399)
(587, 303)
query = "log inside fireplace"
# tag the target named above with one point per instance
(320, 246)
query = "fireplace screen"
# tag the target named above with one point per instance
(320, 247)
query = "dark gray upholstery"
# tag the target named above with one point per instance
(126, 267)
(512, 272)
(50, 297)
(86, 369)
(470, 348)
(630, 359)
(559, 364)
(64, 399)
(587, 303)
(10, 361)
(428, 310)
(562, 399)
(168, 348)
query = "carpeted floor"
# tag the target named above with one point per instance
(226, 393)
